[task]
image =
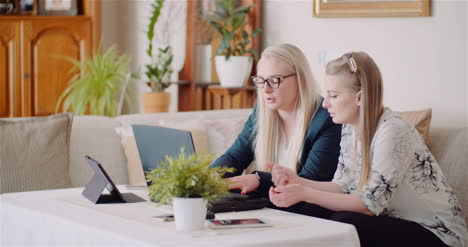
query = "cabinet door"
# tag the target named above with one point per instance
(46, 73)
(10, 69)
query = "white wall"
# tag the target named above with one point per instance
(109, 29)
(423, 60)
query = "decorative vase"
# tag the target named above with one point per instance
(233, 72)
(156, 102)
(189, 213)
(203, 63)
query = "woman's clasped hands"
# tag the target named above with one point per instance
(288, 189)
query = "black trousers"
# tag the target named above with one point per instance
(374, 230)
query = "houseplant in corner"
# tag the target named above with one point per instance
(190, 183)
(233, 66)
(100, 86)
(159, 69)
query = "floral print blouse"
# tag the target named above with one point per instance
(405, 180)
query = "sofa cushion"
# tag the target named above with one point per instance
(223, 132)
(421, 120)
(196, 128)
(449, 145)
(136, 176)
(34, 153)
(95, 136)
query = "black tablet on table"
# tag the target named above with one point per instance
(99, 182)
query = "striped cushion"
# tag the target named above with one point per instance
(34, 153)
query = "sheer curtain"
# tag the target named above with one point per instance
(131, 24)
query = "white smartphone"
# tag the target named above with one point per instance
(237, 223)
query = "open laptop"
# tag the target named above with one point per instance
(155, 142)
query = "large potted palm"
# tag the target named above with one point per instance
(189, 183)
(159, 70)
(100, 85)
(234, 63)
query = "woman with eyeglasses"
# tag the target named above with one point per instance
(288, 125)
(387, 184)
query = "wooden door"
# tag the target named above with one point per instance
(10, 94)
(45, 71)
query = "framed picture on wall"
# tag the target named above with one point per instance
(367, 8)
(7, 7)
(26, 7)
(58, 7)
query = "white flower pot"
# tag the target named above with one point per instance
(189, 213)
(233, 72)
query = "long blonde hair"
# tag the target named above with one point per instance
(267, 130)
(360, 70)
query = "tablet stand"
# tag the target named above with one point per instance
(97, 184)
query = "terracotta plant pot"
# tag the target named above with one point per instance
(156, 102)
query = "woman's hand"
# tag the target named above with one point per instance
(282, 175)
(246, 183)
(287, 195)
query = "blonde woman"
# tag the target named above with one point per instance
(387, 184)
(288, 126)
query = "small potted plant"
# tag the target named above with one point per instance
(159, 69)
(100, 86)
(235, 63)
(189, 183)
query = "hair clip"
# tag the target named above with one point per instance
(352, 64)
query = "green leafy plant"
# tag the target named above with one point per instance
(187, 176)
(100, 84)
(230, 23)
(159, 70)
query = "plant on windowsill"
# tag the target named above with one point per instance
(159, 69)
(235, 63)
(190, 183)
(100, 85)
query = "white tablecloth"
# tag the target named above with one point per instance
(65, 218)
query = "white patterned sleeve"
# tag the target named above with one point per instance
(393, 149)
(343, 176)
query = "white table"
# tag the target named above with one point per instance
(65, 218)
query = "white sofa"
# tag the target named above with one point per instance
(96, 136)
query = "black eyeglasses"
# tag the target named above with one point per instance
(272, 81)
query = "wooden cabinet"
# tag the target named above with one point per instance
(9, 74)
(34, 72)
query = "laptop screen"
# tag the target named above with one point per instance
(155, 142)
